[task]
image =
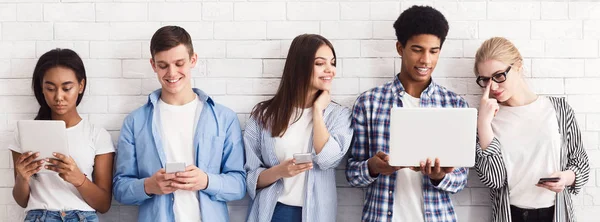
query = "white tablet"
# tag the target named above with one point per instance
(420, 133)
(44, 136)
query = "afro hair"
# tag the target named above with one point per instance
(418, 20)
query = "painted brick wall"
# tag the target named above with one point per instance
(242, 47)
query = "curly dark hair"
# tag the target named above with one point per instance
(418, 20)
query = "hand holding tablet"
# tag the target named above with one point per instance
(44, 137)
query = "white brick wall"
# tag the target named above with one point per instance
(242, 47)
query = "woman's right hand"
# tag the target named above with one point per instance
(288, 168)
(26, 165)
(487, 107)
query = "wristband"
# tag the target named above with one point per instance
(84, 179)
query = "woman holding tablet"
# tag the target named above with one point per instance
(285, 135)
(81, 183)
(529, 149)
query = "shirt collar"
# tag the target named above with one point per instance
(399, 89)
(155, 96)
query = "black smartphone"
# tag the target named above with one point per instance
(548, 179)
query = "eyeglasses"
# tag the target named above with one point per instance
(498, 78)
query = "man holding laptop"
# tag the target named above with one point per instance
(406, 193)
(180, 156)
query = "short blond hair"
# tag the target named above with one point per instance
(497, 48)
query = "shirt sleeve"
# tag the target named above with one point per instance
(340, 136)
(254, 165)
(357, 169)
(128, 187)
(15, 143)
(578, 160)
(103, 142)
(230, 184)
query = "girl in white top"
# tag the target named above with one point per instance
(82, 183)
(523, 137)
(300, 118)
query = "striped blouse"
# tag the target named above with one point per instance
(320, 203)
(492, 171)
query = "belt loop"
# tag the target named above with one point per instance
(44, 214)
(80, 215)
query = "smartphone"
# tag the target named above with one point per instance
(548, 179)
(303, 157)
(175, 167)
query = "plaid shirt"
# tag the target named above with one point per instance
(371, 121)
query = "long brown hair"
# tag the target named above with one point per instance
(275, 113)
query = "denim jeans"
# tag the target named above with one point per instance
(286, 213)
(61, 216)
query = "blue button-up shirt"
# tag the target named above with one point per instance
(371, 121)
(219, 153)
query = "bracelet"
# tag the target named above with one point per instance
(84, 179)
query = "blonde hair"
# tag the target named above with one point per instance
(500, 49)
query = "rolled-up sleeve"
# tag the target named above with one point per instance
(340, 138)
(254, 164)
(577, 160)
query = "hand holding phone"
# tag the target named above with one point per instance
(175, 167)
(303, 158)
(548, 179)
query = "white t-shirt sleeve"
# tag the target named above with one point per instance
(103, 143)
(15, 144)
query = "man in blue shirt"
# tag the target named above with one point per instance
(179, 124)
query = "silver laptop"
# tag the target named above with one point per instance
(420, 133)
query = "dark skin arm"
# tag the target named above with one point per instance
(97, 194)
(379, 164)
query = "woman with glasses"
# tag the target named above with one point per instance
(529, 148)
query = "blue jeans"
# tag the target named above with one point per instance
(286, 213)
(61, 216)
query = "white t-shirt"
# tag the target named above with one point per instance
(408, 195)
(530, 148)
(295, 140)
(48, 190)
(177, 131)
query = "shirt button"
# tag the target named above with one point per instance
(389, 212)
(172, 199)
(427, 212)
(391, 192)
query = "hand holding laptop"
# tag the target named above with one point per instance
(379, 164)
(433, 170)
